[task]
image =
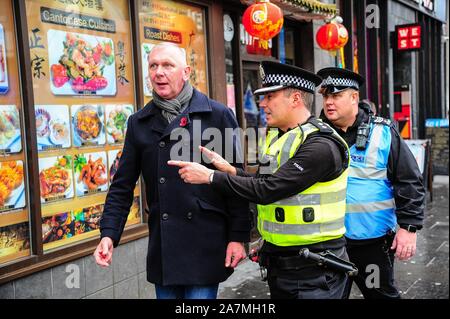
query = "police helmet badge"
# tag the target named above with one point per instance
(261, 72)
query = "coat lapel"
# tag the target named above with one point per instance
(152, 113)
(199, 103)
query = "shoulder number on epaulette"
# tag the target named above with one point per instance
(323, 127)
(381, 120)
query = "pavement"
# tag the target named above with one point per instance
(425, 276)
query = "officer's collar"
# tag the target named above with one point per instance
(281, 132)
(360, 117)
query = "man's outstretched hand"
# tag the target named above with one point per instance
(218, 161)
(192, 173)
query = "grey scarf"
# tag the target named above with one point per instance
(170, 109)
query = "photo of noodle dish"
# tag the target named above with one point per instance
(55, 178)
(81, 64)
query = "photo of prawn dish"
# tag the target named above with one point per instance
(55, 178)
(52, 127)
(116, 122)
(90, 173)
(10, 137)
(113, 159)
(87, 124)
(81, 64)
(12, 186)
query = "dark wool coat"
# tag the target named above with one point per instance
(189, 225)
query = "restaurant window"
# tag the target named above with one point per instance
(14, 201)
(178, 23)
(83, 85)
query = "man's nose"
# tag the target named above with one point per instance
(327, 99)
(159, 71)
(263, 103)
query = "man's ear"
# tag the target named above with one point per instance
(355, 97)
(296, 97)
(187, 73)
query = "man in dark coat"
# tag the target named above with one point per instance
(196, 235)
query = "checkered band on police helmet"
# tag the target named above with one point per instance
(338, 79)
(289, 80)
(277, 76)
(341, 82)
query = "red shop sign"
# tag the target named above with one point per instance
(409, 37)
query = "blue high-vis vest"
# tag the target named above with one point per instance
(370, 211)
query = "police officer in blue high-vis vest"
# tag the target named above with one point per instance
(300, 189)
(385, 186)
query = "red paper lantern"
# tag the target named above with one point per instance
(263, 20)
(332, 36)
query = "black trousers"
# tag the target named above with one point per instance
(375, 263)
(326, 285)
(313, 282)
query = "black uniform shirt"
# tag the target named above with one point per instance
(318, 159)
(402, 171)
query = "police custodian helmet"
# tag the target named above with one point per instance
(277, 76)
(336, 80)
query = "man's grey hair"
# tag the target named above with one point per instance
(307, 98)
(180, 51)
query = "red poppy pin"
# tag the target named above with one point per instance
(183, 121)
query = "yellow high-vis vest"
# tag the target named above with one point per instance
(313, 215)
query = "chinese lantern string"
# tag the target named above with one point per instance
(341, 50)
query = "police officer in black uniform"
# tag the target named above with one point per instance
(321, 158)
(385, 186)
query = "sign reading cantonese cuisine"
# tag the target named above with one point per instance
(409, 37)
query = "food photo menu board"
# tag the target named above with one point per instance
(3, 63)
(14, 214)
(84, 92)
(178, 23)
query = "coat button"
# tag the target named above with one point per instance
(162, 144)
(189, 215)
(162, 180)
(165, 216)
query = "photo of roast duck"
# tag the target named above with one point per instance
(93, 173)
(53, 181)
(11, 177)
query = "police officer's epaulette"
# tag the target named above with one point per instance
(381, 120)
(323, 127)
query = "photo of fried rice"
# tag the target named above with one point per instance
(11, 178)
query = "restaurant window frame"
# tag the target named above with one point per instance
(38, 260)
(14, 150)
